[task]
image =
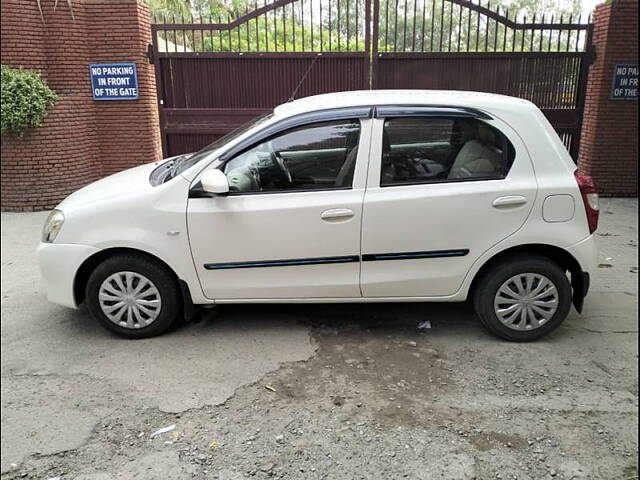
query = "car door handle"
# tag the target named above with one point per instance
(509, 201)
(336, 213)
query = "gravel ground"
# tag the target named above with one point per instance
(374, 396)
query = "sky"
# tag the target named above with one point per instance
(589, 5)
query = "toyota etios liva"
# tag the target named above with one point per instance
(371, 196)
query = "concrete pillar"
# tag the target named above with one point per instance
(81, 140)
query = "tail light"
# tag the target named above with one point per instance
(590, 198)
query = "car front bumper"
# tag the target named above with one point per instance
(58, 265)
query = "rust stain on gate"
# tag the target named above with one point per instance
(213, 75)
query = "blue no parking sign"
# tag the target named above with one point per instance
(625, 82)
(114, 81)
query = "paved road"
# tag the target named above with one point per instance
(360, 393)
(61, 372)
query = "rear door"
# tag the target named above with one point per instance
(441, 190)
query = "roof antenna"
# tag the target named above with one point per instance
(293, 95)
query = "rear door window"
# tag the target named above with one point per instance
(428, 149)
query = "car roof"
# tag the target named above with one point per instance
(359, 98)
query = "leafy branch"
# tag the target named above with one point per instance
(55, 5)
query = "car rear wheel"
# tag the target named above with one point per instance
(133, 296)
(523, 299)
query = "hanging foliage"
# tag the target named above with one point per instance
(25, 99)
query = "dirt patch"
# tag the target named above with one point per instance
(390, 374)
(490, 440)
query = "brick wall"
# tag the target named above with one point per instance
(81, 140)
(609, 142)
(133, 122)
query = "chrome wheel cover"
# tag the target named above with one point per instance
(526, 301)
(130, 300)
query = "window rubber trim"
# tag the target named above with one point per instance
(384, 111)
(333, 114)
(197, 191)
(444, 180)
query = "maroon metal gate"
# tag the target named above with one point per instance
(213, 76)
(462, 45)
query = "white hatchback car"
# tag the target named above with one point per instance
(369, 196)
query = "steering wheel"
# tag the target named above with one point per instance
(278, 161)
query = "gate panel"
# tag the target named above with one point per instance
(550, 80)
(460, 45)
(190, 129)
(256, 81)
(205, 97)
(214, 77)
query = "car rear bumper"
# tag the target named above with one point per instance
(58, 265)
(586, 283)
(586, 253)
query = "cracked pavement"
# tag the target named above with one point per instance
(355, 391)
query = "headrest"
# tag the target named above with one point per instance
(486, 135)
(468, 130)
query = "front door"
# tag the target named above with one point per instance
(441, 191)
(290, 227)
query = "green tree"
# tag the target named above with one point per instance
(438, 25)
(329, 25)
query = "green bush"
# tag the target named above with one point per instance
(25, 98)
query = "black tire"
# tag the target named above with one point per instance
(491, 280)
(158, 274)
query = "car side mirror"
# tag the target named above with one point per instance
(215, 181)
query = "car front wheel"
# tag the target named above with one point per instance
(133, 296)
(523, 299)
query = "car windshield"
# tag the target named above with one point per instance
(184, 163)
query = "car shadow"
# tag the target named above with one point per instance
(438, 320)
(446, 319)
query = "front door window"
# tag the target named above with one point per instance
(319, 156)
